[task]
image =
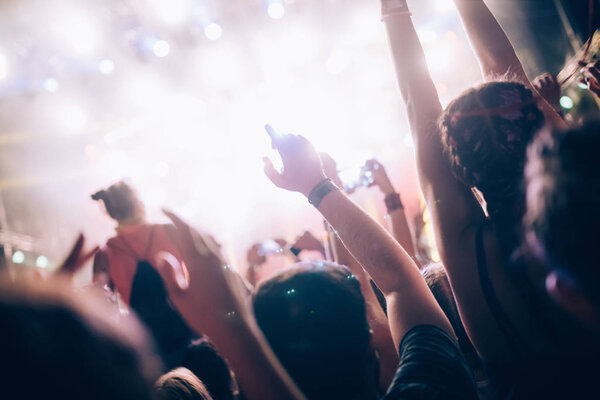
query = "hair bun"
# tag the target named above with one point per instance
(100, 195)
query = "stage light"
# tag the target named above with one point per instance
(582, 85)
(213, 31)
(276, 10)
(71, 117)
(18, 257)
(444, 5)
(566, 102)
(41, 262)
(144, 90)
(3, 67)
(222, 67)
(51, 85)
(427, 36)
(106, 66)
(171, 11)
(78, 32)
(161, 48)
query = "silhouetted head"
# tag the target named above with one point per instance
(314, 317)
(121, 201)
(56, 344)
(563, 215)
(201, 357)
(181, 384)
(485, 132)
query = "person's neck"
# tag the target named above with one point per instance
(133, 221)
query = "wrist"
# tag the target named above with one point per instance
(393, 202)
(320, 190)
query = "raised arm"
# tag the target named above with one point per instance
(210, 298)
(452, 204)
(396, 218)
(494, 51)
(410, 303)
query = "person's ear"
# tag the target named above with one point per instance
(573, 300)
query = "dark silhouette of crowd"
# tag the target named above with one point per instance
(512, 311)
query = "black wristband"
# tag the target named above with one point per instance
(320, 191)
(393, 202)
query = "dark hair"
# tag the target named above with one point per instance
(204, 361)
(120, 200)
(563, 201)
(181, 384)
(314, 317)
(58, 345)
(485, 132)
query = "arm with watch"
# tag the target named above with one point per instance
(429, 356)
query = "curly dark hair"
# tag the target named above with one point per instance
(563, 202)
(485, 132)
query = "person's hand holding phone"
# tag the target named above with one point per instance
(302, 168)
(380, 177)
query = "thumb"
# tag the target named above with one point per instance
(275, 176)
(172, 273)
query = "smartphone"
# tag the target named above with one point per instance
(269, 247)
(353, 178)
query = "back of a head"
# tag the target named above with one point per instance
(314, 317)
(563, 202)
(120, 200)
(56, 345)
(181, 384)
(485, 132)
(204, 361)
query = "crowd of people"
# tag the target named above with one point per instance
(512, 311)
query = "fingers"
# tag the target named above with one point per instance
(171, 272)
(70, 264)
(275, 176)
(184, 234)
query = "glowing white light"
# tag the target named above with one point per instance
(582, 85)
(51, 85)
(222, 67)
(144, 90)
(161, 48)
(3, 67)
(171, 11)
(337, 62)
(444, 5)
(213, 31)
(566, 102)
(72, 117)
(18, 257)
(79, 32)
(41, 262)
(427, 36)
(161, 169)
(276, 10)
(106, 66)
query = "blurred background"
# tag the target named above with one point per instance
(174, 94)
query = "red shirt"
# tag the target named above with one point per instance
(137, 243)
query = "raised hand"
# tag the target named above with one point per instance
(211, 299)
(380, 177)
(204, 290)
(549, 88)
(591, 73)
(302, 168)
(77, 257)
